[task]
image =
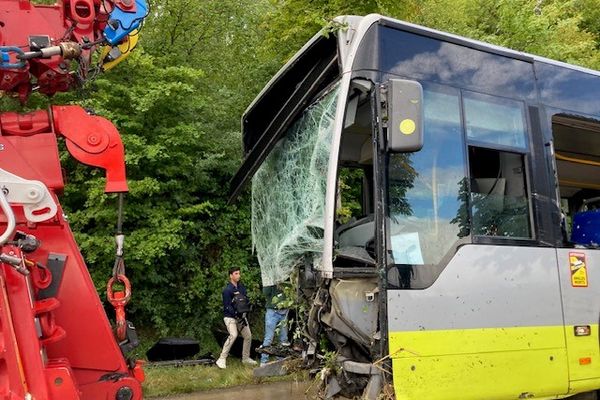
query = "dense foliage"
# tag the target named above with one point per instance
(177, 102)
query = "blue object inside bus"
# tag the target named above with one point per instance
(586, 228)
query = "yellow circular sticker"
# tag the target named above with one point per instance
(408, 126)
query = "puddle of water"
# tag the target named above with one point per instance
(269, 391)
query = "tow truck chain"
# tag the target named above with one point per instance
(119, 298)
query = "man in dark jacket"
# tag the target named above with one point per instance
(235, 307)
(275, 318)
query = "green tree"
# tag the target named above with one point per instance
(554, 29)
(590, 18)
(178, 226)
(292, 22)
(177, 102)
(564, 30)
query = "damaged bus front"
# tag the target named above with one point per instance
(405, 180)
(313, 122)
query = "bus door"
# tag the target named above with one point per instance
(576, 143)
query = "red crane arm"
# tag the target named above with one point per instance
(91, 140)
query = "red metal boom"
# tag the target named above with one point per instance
(55, 339)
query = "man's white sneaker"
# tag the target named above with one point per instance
(221, 363)
(249, 361)
(286, 344)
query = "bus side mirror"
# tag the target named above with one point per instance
(405, 115)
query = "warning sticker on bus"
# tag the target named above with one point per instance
(578, 270)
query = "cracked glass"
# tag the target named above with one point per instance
(288, 193)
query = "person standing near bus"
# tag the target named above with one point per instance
(236, 306)
(275, 318)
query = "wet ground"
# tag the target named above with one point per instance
(267, 391)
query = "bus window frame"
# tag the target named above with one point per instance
(546, 115)
(385, 154)
(527, 160)
(495, 99)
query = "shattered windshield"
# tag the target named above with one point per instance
(288, 193)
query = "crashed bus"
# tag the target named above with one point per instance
(435, 199)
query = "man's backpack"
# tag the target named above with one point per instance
(241, 303)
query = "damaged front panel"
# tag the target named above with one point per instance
(353, 315)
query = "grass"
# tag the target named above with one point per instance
(164, 381)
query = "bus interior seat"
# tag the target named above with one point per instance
(502, 199)
(586, 224)
(511, 166)
(493, 189)
(586, 228)
(366, 152)
(356, 233)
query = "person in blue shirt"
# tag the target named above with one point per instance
(235, 308)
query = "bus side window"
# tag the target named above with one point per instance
(499, 202)
(576, 142)
(499, 205)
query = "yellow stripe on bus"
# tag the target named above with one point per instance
(493, 363)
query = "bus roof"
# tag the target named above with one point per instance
(476, 44)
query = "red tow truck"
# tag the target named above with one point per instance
(56, 341)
